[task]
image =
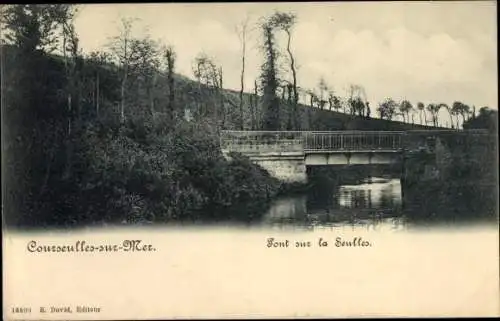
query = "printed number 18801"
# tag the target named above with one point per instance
(21, 310)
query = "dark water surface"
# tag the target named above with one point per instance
(381, 199)
(370, 201)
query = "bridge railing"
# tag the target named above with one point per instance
(355, 140)
(257, 142)
(298, 141)
(262, 141)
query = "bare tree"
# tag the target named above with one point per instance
(253, 107)
(465, 110)
(255, 119)
(387, 108)
(313, 103)
(459, 108)
(242, 35)
(405, 107)
(71, 54)
(450, 112)
(210, 75)
(98, 60)
(220, 88)
(356, 98)
(170, 58)
(368, 110)
(434, 110)
(323, 89)
(421, 108)
(144, 65)
(121, 49)
(334, 101)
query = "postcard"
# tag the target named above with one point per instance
(249, 160)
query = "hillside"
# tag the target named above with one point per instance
(314, 118)
(310, 118)
(200, 100)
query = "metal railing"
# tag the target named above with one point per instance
(292, 141)
(255, 142)
(353, 141)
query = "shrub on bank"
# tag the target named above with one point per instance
(147, 171)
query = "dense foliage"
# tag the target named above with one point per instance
(487, 119)
(458, 182)
(153, 174)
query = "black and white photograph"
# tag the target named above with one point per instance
(274, 159)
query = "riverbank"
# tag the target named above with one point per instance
(457, 182)
(148, 171)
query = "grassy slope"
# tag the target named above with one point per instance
(314, 118)
(200, 100)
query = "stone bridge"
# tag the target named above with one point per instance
(285, 154)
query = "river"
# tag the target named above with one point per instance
(378, 199)
(373, 201)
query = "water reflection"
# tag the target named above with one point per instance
(371, 203)
(373, 192)
(287, 209)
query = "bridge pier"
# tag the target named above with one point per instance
(288, 167)
(289, 170)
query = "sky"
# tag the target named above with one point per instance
(434, 52)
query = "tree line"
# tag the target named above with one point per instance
(275, 82)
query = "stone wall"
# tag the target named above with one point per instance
(289, 170)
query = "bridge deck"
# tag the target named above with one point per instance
(259, 141)
(379, 150)
(332, 141)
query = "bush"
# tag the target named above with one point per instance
(148, 171)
